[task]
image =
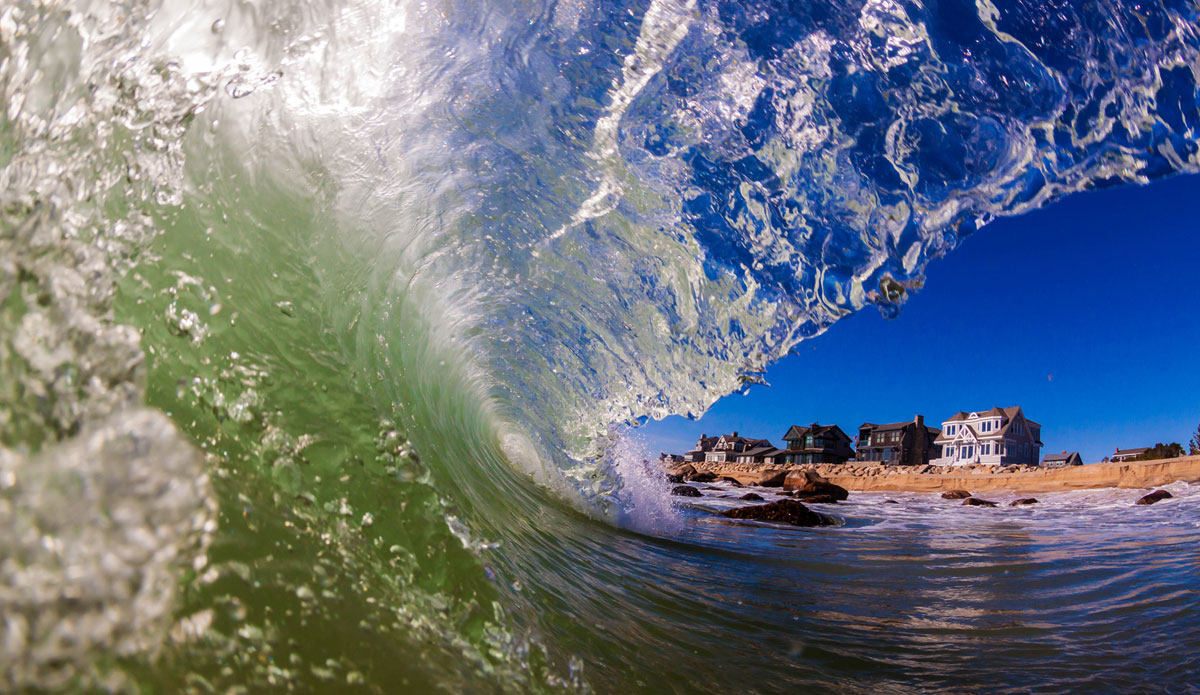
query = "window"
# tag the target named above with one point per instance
(987, 449)
(950, 452)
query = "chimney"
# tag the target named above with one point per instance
(735, 433)
(920, 420)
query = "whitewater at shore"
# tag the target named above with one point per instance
(876, 477)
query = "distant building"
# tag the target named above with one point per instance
(815, 444)
(903, 443)
(729, 446)
(1062, 460)
(670, 458)
(996, 437)
(703, 446)
(1122, 455)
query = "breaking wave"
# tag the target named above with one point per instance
(400, 274)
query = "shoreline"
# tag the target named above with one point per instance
(873, 477)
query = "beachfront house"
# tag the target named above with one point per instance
(815, 444)
(996, 437)
(729, 446)
(1123, 455)
(703, 446)
(908, 443)
(764, 453)
(1062, 460)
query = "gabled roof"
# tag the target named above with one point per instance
(1061, 457)
(1132, 452)
(795, 432)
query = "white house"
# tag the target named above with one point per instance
(729, 446)
(996, 437)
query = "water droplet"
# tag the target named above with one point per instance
(217, 26)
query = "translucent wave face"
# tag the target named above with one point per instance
(614, 211)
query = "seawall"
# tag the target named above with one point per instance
(866, 477)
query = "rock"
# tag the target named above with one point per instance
(955, 495)
(686, 491)
(751, 497)
(890, 502)
(808, 484)
(781, 512)
(705, 477)
(821, 499)
(771, 479)
(679, 474)
(731, 481)
(1156, 496)
(976, 502)
(1023, 502)
(711, 487)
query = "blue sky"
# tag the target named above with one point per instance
(1092, 326)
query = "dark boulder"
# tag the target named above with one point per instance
(705, 477)
(771, 479)
(681, 473)
(955, 495)
(781, 512)
(731, 481)
(820, 499)
(751, 497)
(686, 491)
(815, 486)
(976, 502)
(1156, 496)
(1023, 502)
(890, 502)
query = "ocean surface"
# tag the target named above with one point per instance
(326, 327)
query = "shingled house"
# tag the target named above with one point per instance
(815, 444)
(765, 453)
(996, 437)
(908, 443)
(1062, 460)
(703, 446)
(1121, 455)
(729, 446)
